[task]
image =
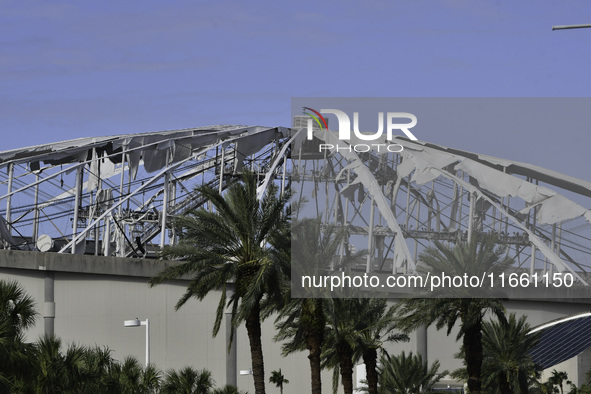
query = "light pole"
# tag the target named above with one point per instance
(566, 27)
(136, 323)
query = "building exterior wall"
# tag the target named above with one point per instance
(94, 295)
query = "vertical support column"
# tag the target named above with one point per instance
(418, 224)
(107, 237)
(532, 262)
(501, 215)
(471, 216)
(231, 354)
(461, 197)
(172, 203)
(507, 219)
(458, 219)
(422, 342)
(494, 217)
(221, 185)
(94, 210)
(430, 207)
(326, 199)
(36, 211)
(533, 247)
(165, 204)
(407, 204)
(9, 200)
(552, 246)
(79, 174)
(284, 172)
(49, 304)
(120, 210)
(97, 226)
(300, 163)
(370, 242)
(164, 210)
(122, 182)
(147, 342)
(583, 366)
(559, 239)
(345, 218)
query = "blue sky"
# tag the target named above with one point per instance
(72, 69)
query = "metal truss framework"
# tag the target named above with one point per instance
(116, 195)
(395, 204)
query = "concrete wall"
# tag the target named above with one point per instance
(94, 295)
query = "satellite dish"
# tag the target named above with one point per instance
(44, 243)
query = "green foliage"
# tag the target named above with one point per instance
(231, 244)
(278, 379)
(507, 362)
(475, 257)
(187, 381)
(47, 366)
(244, 241)
(228, 389)
(507, 366)
(302, 322)
(408, 374)
(558, 383)
(17, 313)
(354, 327)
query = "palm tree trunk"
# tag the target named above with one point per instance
(523, 384)
(314, 340)
(504, 385)
(346, 366)
(315, 348)
(370, 357)
(473, 355)
(253, 328)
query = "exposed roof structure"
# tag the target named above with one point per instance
(117, 190)
(426, 192)
(117, 195)
(562, 339)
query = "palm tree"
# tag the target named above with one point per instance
(97, 368)
(235, 243)
(474, 258)
(558, 379)
(17, 360)
(303, 327)
(129, 374)
(187, 381)
(302, 322)
(356, 328)
(278, 380)
(338, 351)
(16, 307)
(17, 313)
(57, 371)
(507, 363)
(408, 374)
(151, 377)
(376, 325)
(228, 389)
(131, 377)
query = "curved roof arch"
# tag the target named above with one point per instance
(562, 339)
